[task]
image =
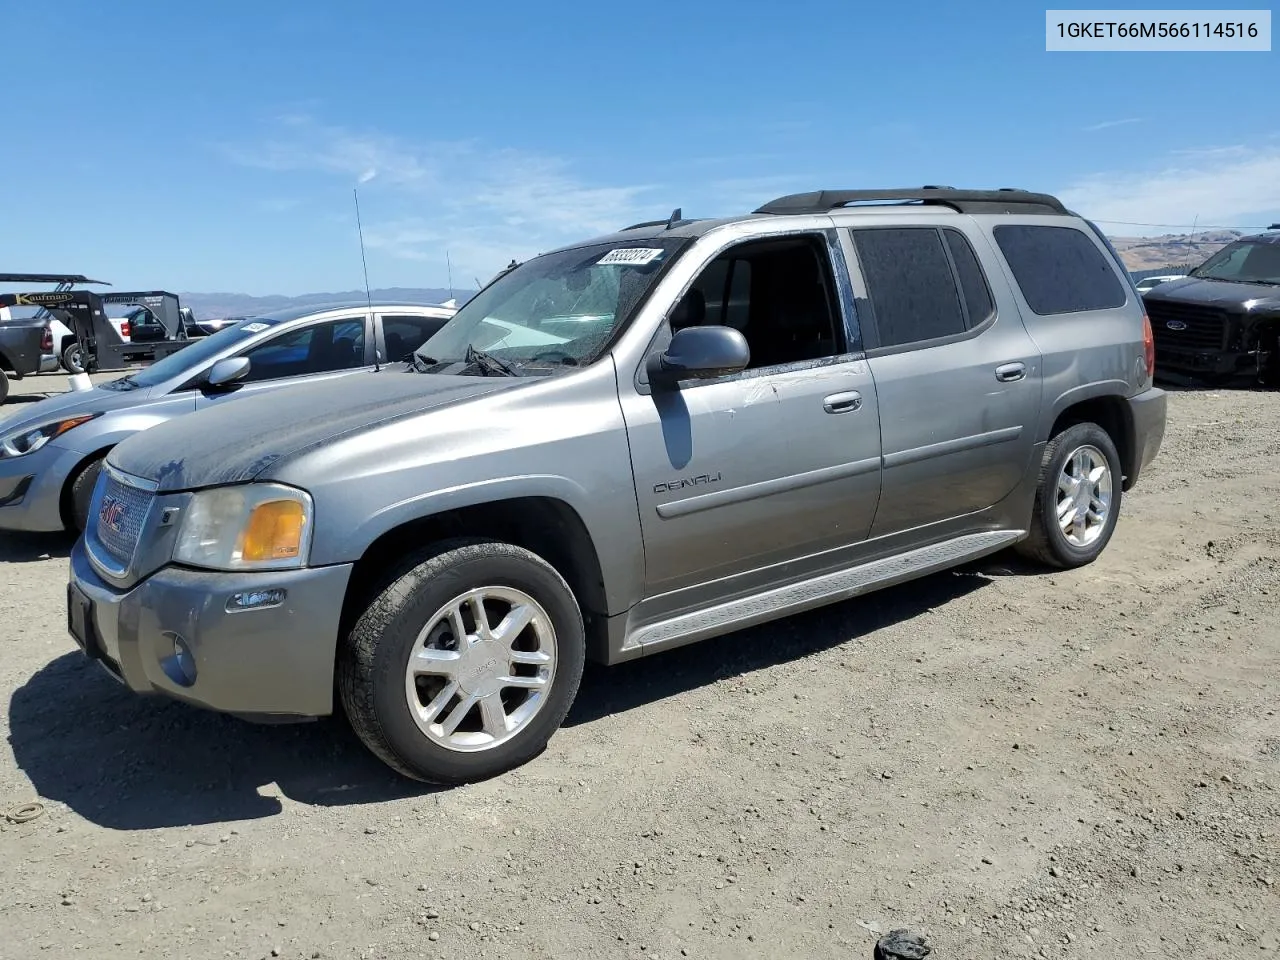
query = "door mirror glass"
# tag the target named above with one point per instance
(228, 371)
(699, 353)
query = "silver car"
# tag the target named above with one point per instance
(51, 453)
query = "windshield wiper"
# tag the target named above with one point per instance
(1206, 276)
(420, 363)
(489, 363)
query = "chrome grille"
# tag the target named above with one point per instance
(1194, 327)
(121, 513)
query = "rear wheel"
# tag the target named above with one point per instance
(73, 358)
(80, 492)
(465, 664)
(1077, 500)
(4, 386)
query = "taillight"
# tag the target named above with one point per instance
(124, 328)
(46, 341)
(1148, 345)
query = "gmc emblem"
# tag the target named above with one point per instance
(111, 513)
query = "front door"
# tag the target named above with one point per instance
(779, 464)
(325, 350)
(957, 374)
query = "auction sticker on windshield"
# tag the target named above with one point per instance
(633, 256)
(255, 327)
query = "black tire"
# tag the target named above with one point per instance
(1047, 544)
(72, 361)
(373, 657)
(80, 492)
(4, 386)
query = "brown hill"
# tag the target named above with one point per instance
(1149, 253)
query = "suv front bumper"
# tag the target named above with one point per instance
(269, 661)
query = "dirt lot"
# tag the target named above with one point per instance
(1011, 762)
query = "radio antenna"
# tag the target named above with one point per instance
(368, 296)
(449, 261)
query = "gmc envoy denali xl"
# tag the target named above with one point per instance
(621, 446)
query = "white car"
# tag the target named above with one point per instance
(1146, 283)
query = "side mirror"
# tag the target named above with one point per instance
(699, 353)
(227, 371)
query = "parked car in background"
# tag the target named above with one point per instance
(632, 443)
(66, 349)
(1221, 322)
(51, 453)
(25, 342)
(208, 325)
(1149, 283)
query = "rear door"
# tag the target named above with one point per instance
(402, 332)
(328, 349)
(957, 374)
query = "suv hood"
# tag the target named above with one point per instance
(1220, 293)
(237, 440)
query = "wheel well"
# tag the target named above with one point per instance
(543, 525)
(1111, 413)
(64, 498)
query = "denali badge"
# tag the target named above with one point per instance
(112, 513)
(1175, 325)
(699, 480)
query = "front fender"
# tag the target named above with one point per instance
(614, 529)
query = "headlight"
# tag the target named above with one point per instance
(31, 439)
(259, 526)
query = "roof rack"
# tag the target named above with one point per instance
(48, 278)
(1003, 200)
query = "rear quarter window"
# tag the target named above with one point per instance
(1059, 269)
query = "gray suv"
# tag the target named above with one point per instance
(625, 445)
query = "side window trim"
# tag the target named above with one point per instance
(847, 317)
(866, 310)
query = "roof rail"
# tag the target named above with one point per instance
(1004, 200)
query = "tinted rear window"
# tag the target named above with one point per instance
(1060, 269)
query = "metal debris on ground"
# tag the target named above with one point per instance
(24, 812)
(901, 945)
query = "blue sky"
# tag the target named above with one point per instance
(214, 147)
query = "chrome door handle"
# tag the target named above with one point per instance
(1009, 372)
(842, 402)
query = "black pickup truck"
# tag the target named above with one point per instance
(1221, 322)
(22, 344)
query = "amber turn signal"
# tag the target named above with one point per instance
(274, 531)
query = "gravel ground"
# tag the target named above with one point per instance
(1010, 762)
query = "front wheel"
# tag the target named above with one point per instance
(1077, 499)
(80, 493)
(466, 664)
(4, 386)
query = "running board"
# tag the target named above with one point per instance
(817, 592)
